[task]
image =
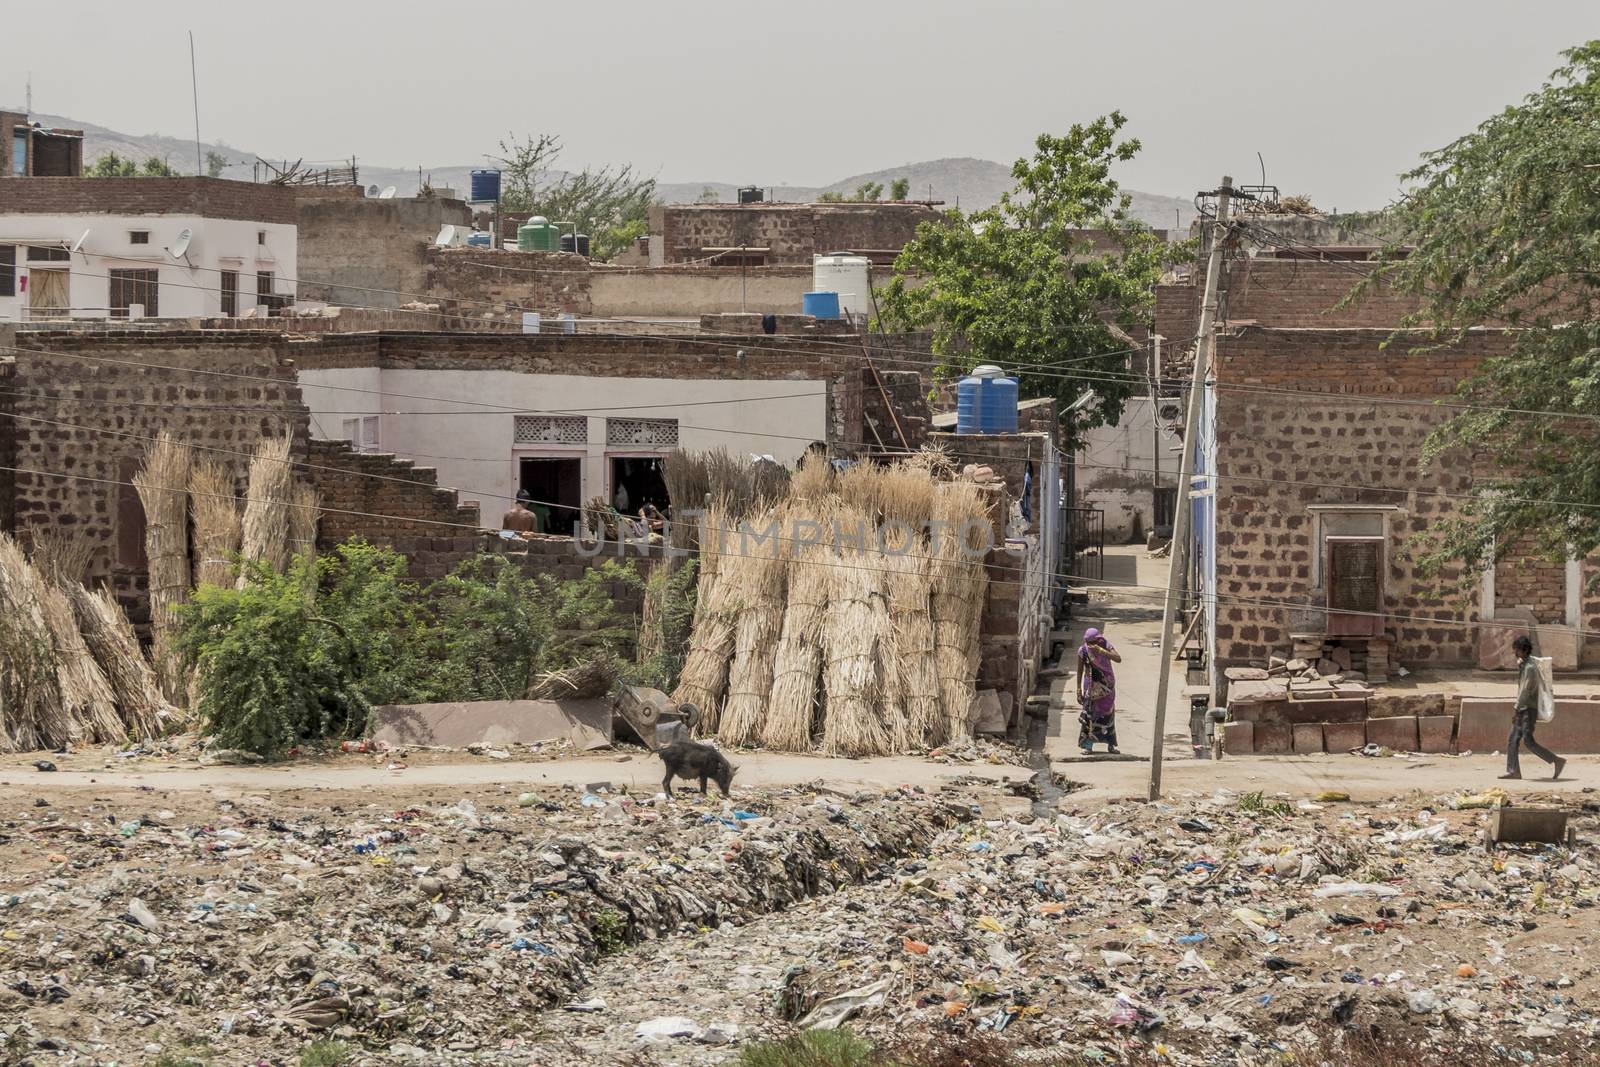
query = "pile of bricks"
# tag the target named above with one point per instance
(1261, 723)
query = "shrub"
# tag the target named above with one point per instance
(329, 1053)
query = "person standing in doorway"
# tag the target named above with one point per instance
(1097, 692)
(519, 519)
(1526, 714)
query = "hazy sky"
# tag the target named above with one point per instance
(1338, 96)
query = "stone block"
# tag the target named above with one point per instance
(1245, 674)
(1341, 656)
(1326, 667)
(1238, 738)
(1273, 740)
(1391, 705)
(1435, 733)
(1344, 736)
(1306, 737)
(1485, 722)
(1333, 709)
(1494, 638)
(1398, 733)
(1563, 644)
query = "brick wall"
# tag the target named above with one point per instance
(479, 282)
(792, 233)
(1276, 292)
(559, 558)
(212, 198)
(1278, 446)
(391, 502)
(1525, 580)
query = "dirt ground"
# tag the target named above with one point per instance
(437, 907)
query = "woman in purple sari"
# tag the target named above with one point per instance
(1097, 692)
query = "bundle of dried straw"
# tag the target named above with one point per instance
(163, 486)
(705, 669)
(216, 522)
(797, 661)
(961, 514)
(754, 573)
(32, 713)
(110, 637)
(859, 721)
(265, 533)
(303, 515)
(87, 699)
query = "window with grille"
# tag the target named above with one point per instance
(8, 270)
(551, 430)
(642, 433)
(230, 293)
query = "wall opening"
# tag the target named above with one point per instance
(637, 481)
(555, 488)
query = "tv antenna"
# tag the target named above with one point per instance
(78, 244)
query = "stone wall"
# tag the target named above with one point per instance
(678, 292)
(560, 558)
(369, 252)
(1360, 446)
(476, 282)
(392, 502)
(212, 198)
(791, 233)
(88, 403)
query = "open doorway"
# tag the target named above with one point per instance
(637, 481)
(555, 486)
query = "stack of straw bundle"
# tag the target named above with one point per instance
(704, 677)
(32, 713)
(110, 637)
(163, 486)
(754, 573)
(87, 699)
(216, 522)
(265, 533)
(959, 582)
(303, 514)
(797, 660)
(860, 721)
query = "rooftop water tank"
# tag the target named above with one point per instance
(823, 305)
(986, 402)
(849, 276)
(752, 194)
(538, 234)
(485, 186)
(481, 240)
(578, 243)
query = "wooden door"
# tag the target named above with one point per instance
(47, 293)
(1353, 567)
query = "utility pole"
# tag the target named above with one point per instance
(1155, 428)
(1178, 556)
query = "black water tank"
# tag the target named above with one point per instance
(752, 195)
(580, 246)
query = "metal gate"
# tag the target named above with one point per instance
(1086, 543)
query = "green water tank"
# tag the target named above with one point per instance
(538, 234)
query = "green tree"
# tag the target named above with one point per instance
(1498, 230)
(830, 198)
(216, 163)
(900, 189)
(708, 195)
(868, 192)
(112, 165)
(611, 204)
(1020, 285)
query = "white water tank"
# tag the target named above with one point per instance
(849, 276)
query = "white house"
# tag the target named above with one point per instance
(88, 248)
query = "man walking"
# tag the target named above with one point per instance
(1527, 713)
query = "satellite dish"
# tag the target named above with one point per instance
(447, 236)
(181, 245)
(387, 194)
(78, 244)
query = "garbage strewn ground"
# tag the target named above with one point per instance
(558, 925)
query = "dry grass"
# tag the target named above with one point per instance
(590, 678)
(265, 533)
(87, 699)
(857, 722)
(959, 583)
(913, 657)
(755, 575)
(797, 660)
(163, 486)
(303, 516)
(111, 638)
(31, 711)
(216, 522)
(711, 642)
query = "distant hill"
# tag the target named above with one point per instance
(972, 184)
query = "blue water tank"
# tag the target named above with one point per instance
(821, 304)
(986, 402)
(481, 240)
(485, 186)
